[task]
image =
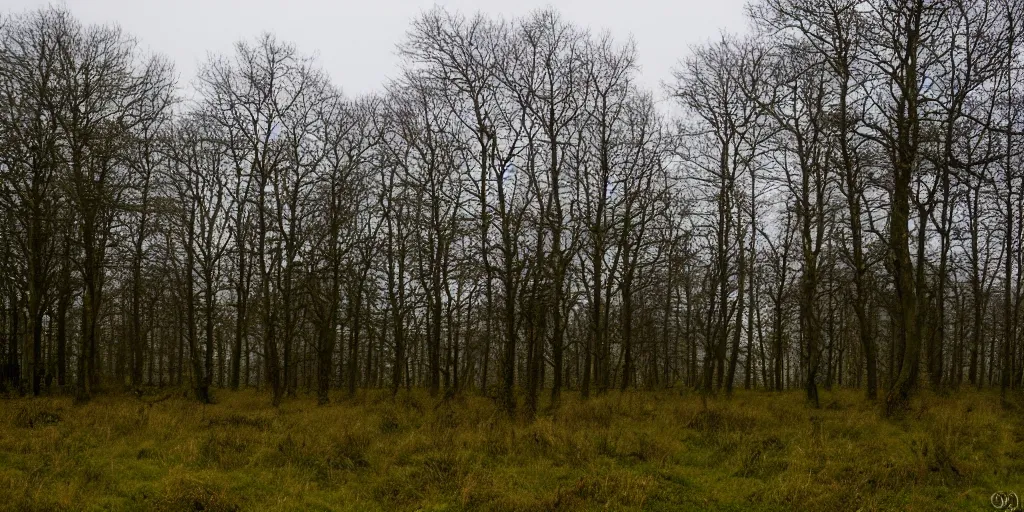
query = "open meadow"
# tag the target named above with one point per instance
(635, 451)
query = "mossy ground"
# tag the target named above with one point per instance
(662, 450)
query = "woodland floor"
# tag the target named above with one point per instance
(635, 451)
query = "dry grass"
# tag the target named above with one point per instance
(634, 451)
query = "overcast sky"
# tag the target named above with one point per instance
(355, 39)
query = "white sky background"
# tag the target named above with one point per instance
(355, 40)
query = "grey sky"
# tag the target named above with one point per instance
(355, 40)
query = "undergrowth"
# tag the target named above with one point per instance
(654, 450)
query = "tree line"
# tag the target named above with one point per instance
(835, 200)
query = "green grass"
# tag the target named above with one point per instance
(635, 451)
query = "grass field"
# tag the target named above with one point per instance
(636, 451)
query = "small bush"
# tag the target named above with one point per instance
(34, 415)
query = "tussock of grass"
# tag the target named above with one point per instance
(634, 451)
